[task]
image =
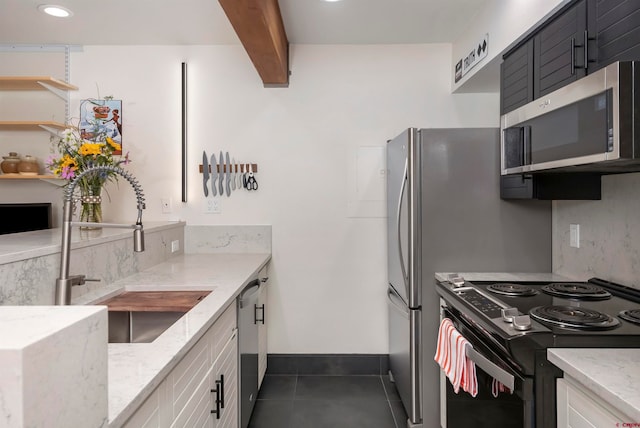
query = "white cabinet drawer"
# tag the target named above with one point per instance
(579, 409)
(190, 372)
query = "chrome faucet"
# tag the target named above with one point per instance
(66, 281)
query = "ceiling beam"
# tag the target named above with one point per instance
(258, 24)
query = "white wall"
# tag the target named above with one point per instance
(505, 21)
(328, 274)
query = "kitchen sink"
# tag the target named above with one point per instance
(139, 326)
(142, 316)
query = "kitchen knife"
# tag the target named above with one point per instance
(205, 173)
(228, 175)
(239, 175)
(214, 174)
(234, 166)
(221, 174)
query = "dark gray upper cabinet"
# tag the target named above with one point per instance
(559, 50)
(614, 30)
(554, 55)
(517, 75)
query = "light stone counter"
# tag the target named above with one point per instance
(53, 366)
(612, 374)
(135, 370)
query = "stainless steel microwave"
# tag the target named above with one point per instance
(587, 125)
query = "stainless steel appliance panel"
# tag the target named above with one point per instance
(456, 221)
(404, 345)
(467, 227)
(248, 350)
(588, 125)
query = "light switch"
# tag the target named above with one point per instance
(574, 235)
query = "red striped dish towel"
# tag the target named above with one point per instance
(451, 355)
(497, 387)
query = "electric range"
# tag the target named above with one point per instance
(512, 324)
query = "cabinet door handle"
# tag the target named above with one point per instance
(256, 320)
(526, 146)
(585, 52)
(221, 383)
(573, 56)
(587, 39)
(216, 411)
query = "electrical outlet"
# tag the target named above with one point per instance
(166, 205)
(212, 206)
(175, 246)
(574, 235)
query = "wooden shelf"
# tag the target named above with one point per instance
(28, 177)
(31, 125)
(33, 83)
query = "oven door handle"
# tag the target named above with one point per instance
(491, 369)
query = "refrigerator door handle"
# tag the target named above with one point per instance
(398, 218)
(395, 300)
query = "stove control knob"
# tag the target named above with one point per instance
(456, 280)
(508, 314)
(522, 322)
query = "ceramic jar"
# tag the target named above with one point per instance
(28, 165)
(10, 163)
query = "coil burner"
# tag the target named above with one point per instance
(578, 291)
(573, 317)
(631, 315)
(509, 289)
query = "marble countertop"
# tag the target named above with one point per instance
(24, 325)
(21, 246)
(609, 373)
(135, 370)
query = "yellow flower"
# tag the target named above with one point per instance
(91, 149)
(113, 144)
(68, 161)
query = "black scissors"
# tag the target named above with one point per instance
(252, 184)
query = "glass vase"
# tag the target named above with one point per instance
(91, 209)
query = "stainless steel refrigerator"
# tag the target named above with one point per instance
(445, 214)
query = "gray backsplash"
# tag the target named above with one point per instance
(32, 281)
(609, 233)
(227, 239)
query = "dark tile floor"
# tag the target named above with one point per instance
(321, 401)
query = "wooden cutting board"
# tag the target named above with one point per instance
(155, 301)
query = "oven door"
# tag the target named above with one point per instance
(506, 410)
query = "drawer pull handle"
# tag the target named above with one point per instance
(256, 320)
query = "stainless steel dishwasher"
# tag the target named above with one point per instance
(249, 315)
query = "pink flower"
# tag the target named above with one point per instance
(67, 173)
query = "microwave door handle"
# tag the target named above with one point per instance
(526, 145)
(491, 369)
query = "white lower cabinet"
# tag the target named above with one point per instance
(580, 408)
(202, 390)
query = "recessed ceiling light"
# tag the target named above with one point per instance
(54, 10)
(331, 1)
